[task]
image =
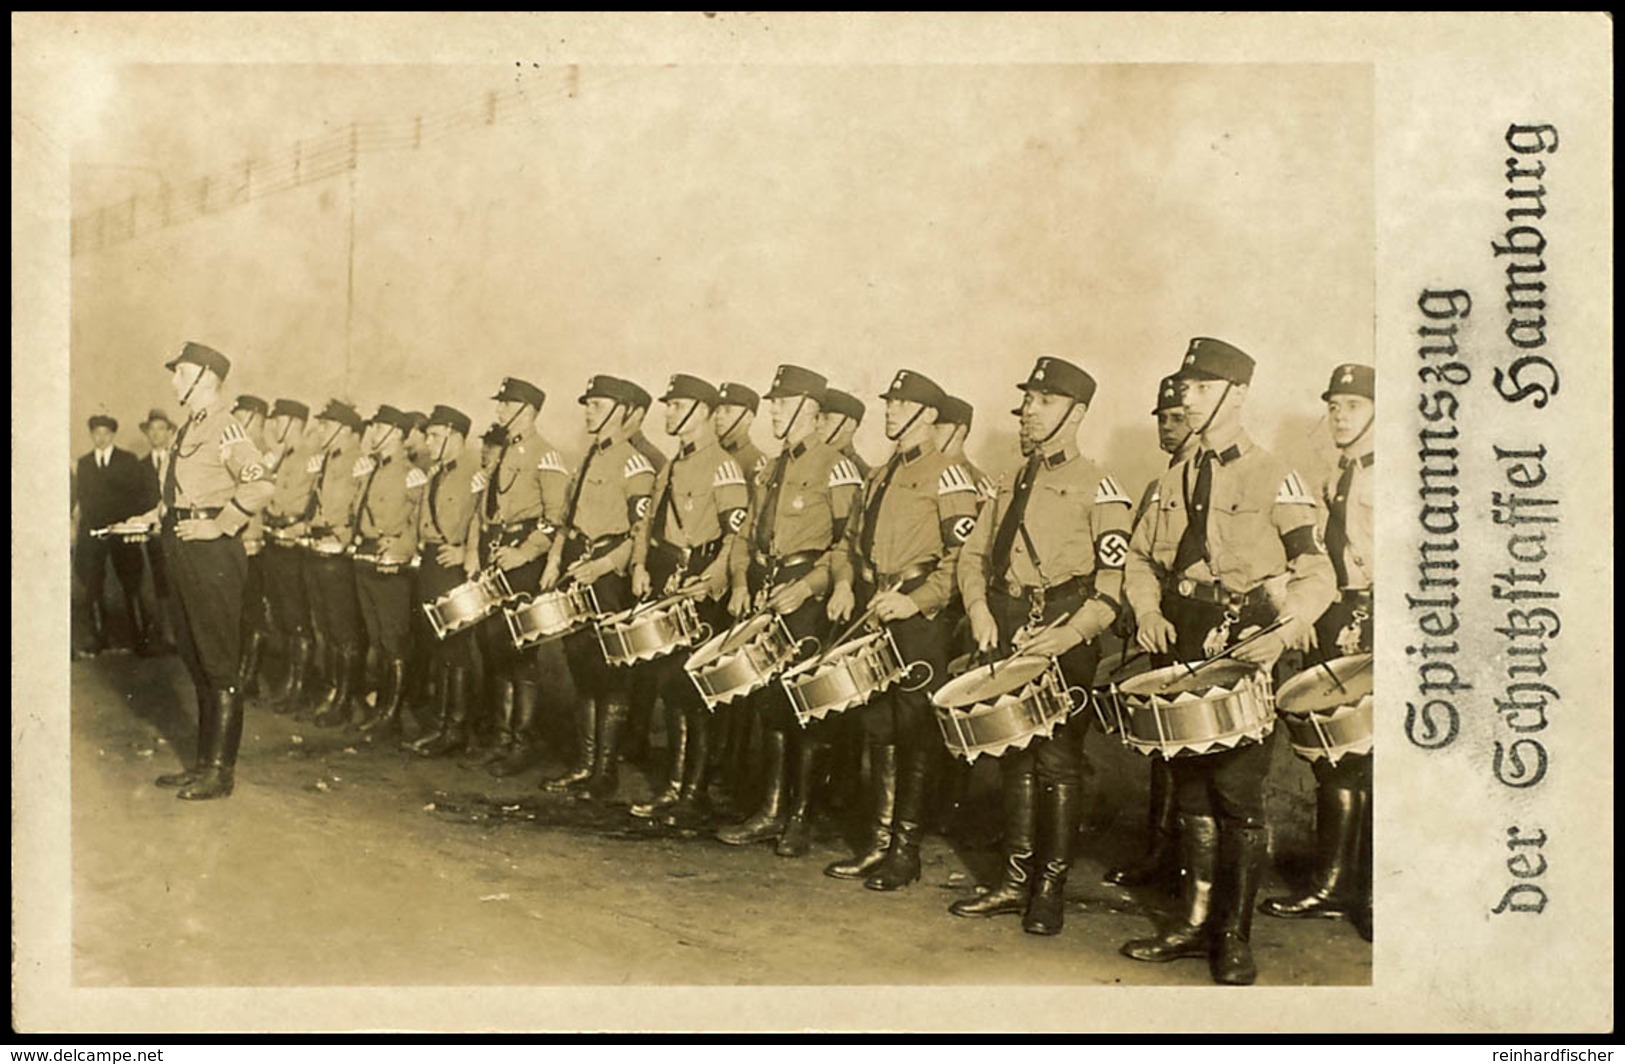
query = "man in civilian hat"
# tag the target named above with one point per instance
(1341, 882)
(802, 502)
(732, 724)
(384, 524)
(608, 497)
(898, 559)
(700, 503)
(1042, 575)
(251, 413)
(291, 444)
(838, 423)
(160, 432)
(109, 488)
(214, 485)
(329, 576)
(443, 530)
(518, 507)
(1228, 546)
(1160, 863)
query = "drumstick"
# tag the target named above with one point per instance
(1344, 690)
(859, 623)
(1279, 622)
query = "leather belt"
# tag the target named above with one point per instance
(1078, 585)
(1219, 595)
(917, 571)
(204, 513)
(700, 554)
(1357, 597)
(596, 548)
(786, 561)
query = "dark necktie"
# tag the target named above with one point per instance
(657, 525)
(1337, 521)
(871, 512)
(491, 489)
(1193, 544)
(361, 500)
(575, 489)
(171, 482)
(770, 504)
(434, 487)
(1004, 538)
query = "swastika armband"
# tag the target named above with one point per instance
(734, 519)
(1302, 540)
(1111, 549)
(637, 508)
(957, 529)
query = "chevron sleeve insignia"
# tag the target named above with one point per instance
(1108, 490)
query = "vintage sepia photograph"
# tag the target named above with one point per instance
(577, 517)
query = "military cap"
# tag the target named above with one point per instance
(684, 386)
(419, 420)
(1351, 378)
(253, 404)
(157, 415)
(106, 421)
(733, 394)
(495, 436)
(1214, 360)
(292, 408)
(640, 396)
(1168, 397)
(915, 388)
(1057, 376)
(953, 411)
(794, 381)
(843, 403)
(451, 417)
(602, 386)
(521, 391)
(340, 413)
(201, 355)
(394, 417)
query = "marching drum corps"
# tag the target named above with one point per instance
(819, 634)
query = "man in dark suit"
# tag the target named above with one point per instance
(159, 431)
(110, 487)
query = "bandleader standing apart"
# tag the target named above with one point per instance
(1042, 574)
(1229, 545)
(214, 486)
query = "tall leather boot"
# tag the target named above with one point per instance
(321, 680)
(386, 717)
(1241, 862)
(1338, 813)
(335, 707)
(797, 837)
(206, 722)
(456, 684)
(1020, 794)
(882, 810)
(140, 624)
(1188, 936)
(502, 703)
(1362, 879)
(440, 711)
(1160, 863)
(293, 687)
(1059, 805)
(96, 620)
(216, 774)
(523, 754)
(585, 716)
(901, 865)
(613, 716)
(248, 664)
(693, 804)
(768, 820)
(676, 742)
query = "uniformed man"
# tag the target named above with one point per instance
(329, 579)
(952, 430)
(838, 423)
(802, 500)
(293, 445)
(736, 410)
(1042, 575)
(443, 529)
(700, 503)
(733, 724)
(1341, 883)
(1160, 863)
(1227, 547)
(417, 448)
(384, 520)
(520, 505)
(215, 483)
(900, 555)
(641, 693)
(608, 496)
(422, 638)
(252, 413)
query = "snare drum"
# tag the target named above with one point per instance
(741, 660)
(533, 619)
(467, 604)
(652, 631)
(1116, 668)
(1172, 712)
(848, 675)
(1327, 709)
(1003, 706)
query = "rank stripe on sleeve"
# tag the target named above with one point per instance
(845, 474)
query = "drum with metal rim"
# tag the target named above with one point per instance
(1004, 706)
(1185, 711)
(1327, 709)
(468, 603)
(847, 676)
(652, 631)
(1115, 668)
(743, 659)
(532, 619)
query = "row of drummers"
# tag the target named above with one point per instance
(916, 603)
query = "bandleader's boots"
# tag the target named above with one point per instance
(248, 665)
(1243, 851)
(613, 717)
(1338, 814)
(206, 722)
(386, 718)
(676, 743)
(584, 714)
(335, 708)
(293, 687)
(797, 837)
(1188, 936)
(1058, 828)
(1160, 863)
(456, 683)
(901, 865)
(523, 754)
(882, 810)
(768, 820)
(216, 775)
(1020, 830)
